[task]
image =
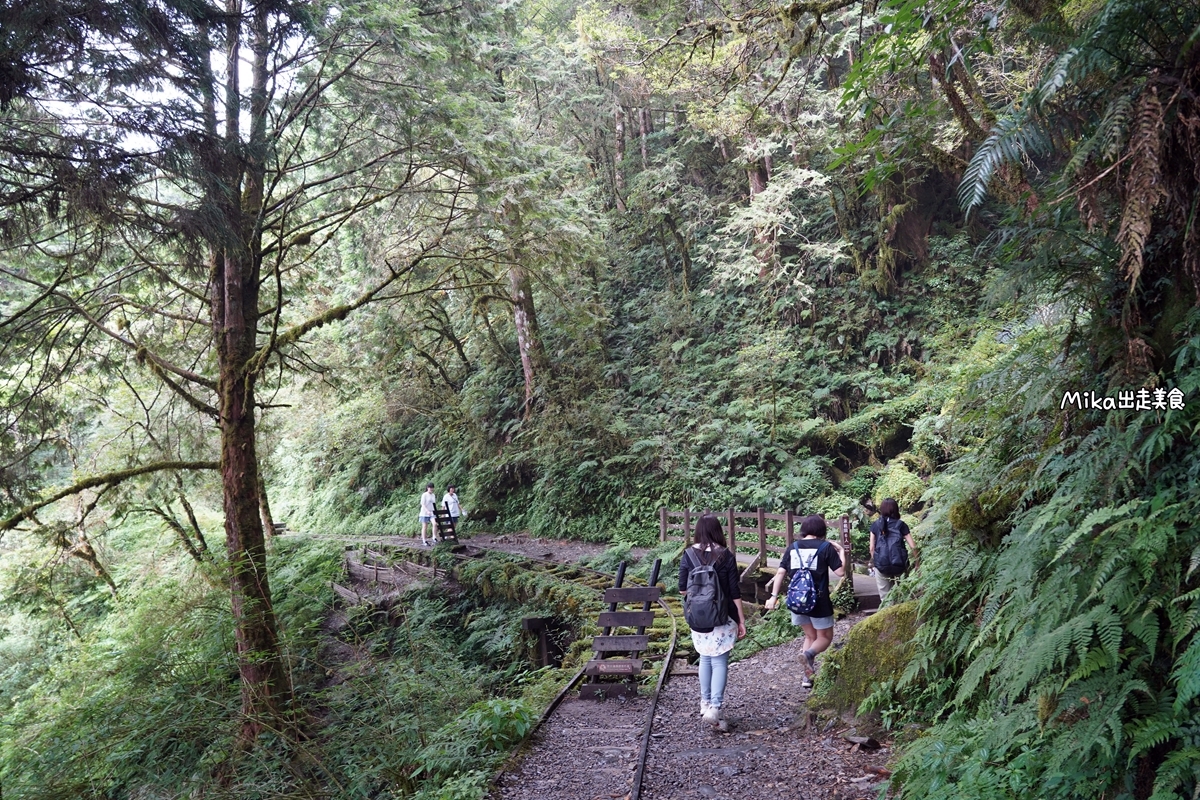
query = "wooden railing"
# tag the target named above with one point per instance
(757, 538)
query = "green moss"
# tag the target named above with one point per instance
(897, 481)
(877, 649)
(985, 515)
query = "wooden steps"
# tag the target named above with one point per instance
(605, 647)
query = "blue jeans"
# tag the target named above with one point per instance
(714, 671)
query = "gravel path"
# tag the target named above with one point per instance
(587, 749)
(769, 751)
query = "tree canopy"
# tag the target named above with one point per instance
(292, 260)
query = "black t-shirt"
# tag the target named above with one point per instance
(727, 573)
(827, 558)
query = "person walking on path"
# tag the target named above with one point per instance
(818, 555)
(889, 556)
(450, 503)
(425, 515)
(711, 570)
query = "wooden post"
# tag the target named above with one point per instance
(845, 526)
(791, 527)
(762, 536)
(729, 524)
(687, 525)
(662, 524)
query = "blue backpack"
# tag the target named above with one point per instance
(802, 591)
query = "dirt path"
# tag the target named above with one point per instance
(770, 751)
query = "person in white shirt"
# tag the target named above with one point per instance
(450, 502)
(426, 514)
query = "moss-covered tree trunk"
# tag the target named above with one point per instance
(234, 288)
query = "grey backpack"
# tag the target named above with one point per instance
(705, 605)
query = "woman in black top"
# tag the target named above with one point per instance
(812, 551)
(888, 525)
(714, 644)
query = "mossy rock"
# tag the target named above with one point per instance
(898, 482)
(985, 515)
(876, 649)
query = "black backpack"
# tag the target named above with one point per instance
(891, 554)
(704, 606)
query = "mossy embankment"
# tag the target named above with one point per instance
(876, 649)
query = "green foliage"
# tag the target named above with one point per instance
(500, 723)
(612, 557)
(414, 698)
(765, 631)
(897, 481)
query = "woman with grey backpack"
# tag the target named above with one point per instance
(712, 606)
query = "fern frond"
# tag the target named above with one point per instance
(1096, 660)
(1092, 523)
(1003, 146)
(1057, 77)
(1111, 133)
(1179, 768)
(1110, 630)
(1144, 186)
(1149, 733)
(1187, 676)
(1145, 629)
(974, 675)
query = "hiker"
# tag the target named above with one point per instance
(889, 534)
(425, 515)
(818, 555)
(450, 503)
(715, 606)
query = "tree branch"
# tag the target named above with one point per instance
(107, 479)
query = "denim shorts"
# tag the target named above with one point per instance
(424, 518)
(820, 623)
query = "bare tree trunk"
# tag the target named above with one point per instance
(618, 173)
(643, 131)
(533, 355)
(264, 508)
(757, 174)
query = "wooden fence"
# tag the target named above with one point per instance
(755, 539)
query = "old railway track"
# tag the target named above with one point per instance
(579, 748)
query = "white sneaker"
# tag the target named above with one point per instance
(712, 716)
(704, 706)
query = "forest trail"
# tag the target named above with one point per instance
(773, 749)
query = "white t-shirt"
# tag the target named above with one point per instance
(427, 501)
(451, 500)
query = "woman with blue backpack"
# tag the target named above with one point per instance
(807, 564)
(712, 606)
(889, 554)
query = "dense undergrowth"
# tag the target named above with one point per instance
(420, 697)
